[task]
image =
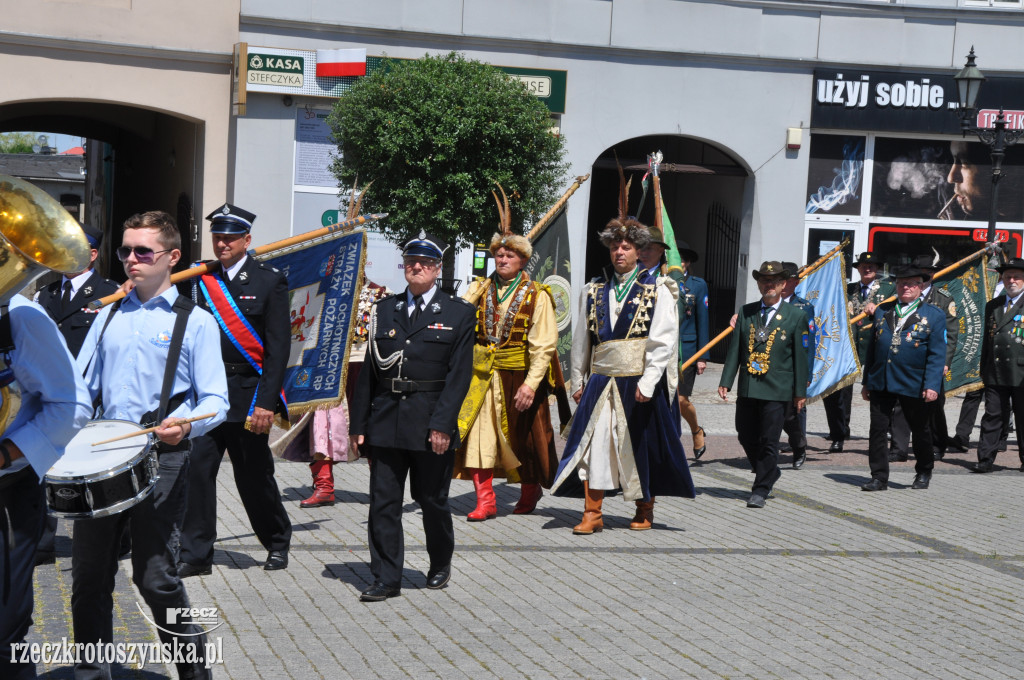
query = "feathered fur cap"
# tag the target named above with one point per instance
(504, 238)
(624, 227)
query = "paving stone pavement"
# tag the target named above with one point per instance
(825, 582)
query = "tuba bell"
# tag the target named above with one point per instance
(36, 234)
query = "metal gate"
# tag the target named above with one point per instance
(720, 270)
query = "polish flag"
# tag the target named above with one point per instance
(341, 63)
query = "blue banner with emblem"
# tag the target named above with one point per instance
(324, 280)
(835, 357)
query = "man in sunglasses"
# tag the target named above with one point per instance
(126, 360)
(249, 299)
(405, 414)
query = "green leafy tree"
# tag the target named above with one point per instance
(434, 135)
(16, 142)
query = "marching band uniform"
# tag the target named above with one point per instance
(54, 405)
(516, 338)
(838, 405)
(693, 334)
(904, 360)
(769, 350)
(416, 375)
(250, 303)
(626, 338)
(1002, 371)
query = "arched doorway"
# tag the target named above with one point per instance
(136, 160)
(702, 186)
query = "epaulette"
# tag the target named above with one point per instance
(465, 302)
(387, 297)
(264, 265)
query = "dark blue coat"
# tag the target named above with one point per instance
(693, 316)
(915, 364)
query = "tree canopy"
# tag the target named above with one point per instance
(16, 142)
(434, 135)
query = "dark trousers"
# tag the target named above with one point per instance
(917, 412)
(155, 529)
(22, 512)
(758, 427)
(936, 422)
(969, 416)
(795, 427)
(253, 465)
(837, 412)
(999, 403)
(430, 477)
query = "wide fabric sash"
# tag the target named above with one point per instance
(236, 327)
(619, 358)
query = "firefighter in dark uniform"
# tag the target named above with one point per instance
(795, 425)
(241, 287)
(904, 364)
(862, 296)
(769, 350)
(1002, 365)
(405, 414)
(939, 298)
(65, 301)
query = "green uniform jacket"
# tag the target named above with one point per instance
(884, 289)
(1002, 351)
(937, 297)
(786, 377)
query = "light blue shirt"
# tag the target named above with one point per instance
(54, 401)
(129, 365)
(410, 299)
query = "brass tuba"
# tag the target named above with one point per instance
(36, 234)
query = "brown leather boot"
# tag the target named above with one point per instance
(592, 517)
(644, 516)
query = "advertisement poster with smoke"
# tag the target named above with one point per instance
(835, 175)
(968, 286)
(943, 180)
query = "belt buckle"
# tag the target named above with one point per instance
(394, 386)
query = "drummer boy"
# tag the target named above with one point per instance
(124, 359)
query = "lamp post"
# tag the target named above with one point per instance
(968, 84)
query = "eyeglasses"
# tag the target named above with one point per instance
(144, 254)
(424, 262)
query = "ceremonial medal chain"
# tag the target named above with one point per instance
(491, 313)
(758, 362)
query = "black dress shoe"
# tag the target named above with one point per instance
(837, 446)
(921, 481)
(939, 454)
(1002, 446)
(799, 458)
(875, 485)
(439, 579)
(276, 559)
(956, 445)
(981, 468)
(897, 457)
(697, 453)
(756, 501)
(185, 570)
(379, 592)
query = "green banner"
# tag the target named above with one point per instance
(550, 265)
(968, 286)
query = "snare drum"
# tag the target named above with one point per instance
(96, 481)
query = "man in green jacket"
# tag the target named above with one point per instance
(769, 350)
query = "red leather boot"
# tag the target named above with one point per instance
(528, 497)
(323, 485)
(486, 508)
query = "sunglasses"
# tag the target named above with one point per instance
(144, 254)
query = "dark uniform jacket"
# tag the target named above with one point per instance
(74, 324)
(913, 364)
(261, 293)
(786, 376)
(438, 347)
(884, 289)
(937, 298)
(693, 316)
(807, 308)
(1002, 352)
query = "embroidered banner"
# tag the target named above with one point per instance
(324, 280)
(835, 358)
(550, 266)
(968, 286)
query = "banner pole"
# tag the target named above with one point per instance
(543, 221)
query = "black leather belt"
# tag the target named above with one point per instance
(239, 369)
(405, 386)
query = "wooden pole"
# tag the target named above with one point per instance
(205, 268)
(941, 272)
(725, 333)
(543, 221)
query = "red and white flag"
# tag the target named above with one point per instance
(341, 62)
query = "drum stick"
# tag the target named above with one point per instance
(151, 429)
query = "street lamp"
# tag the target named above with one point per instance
(968, 84)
